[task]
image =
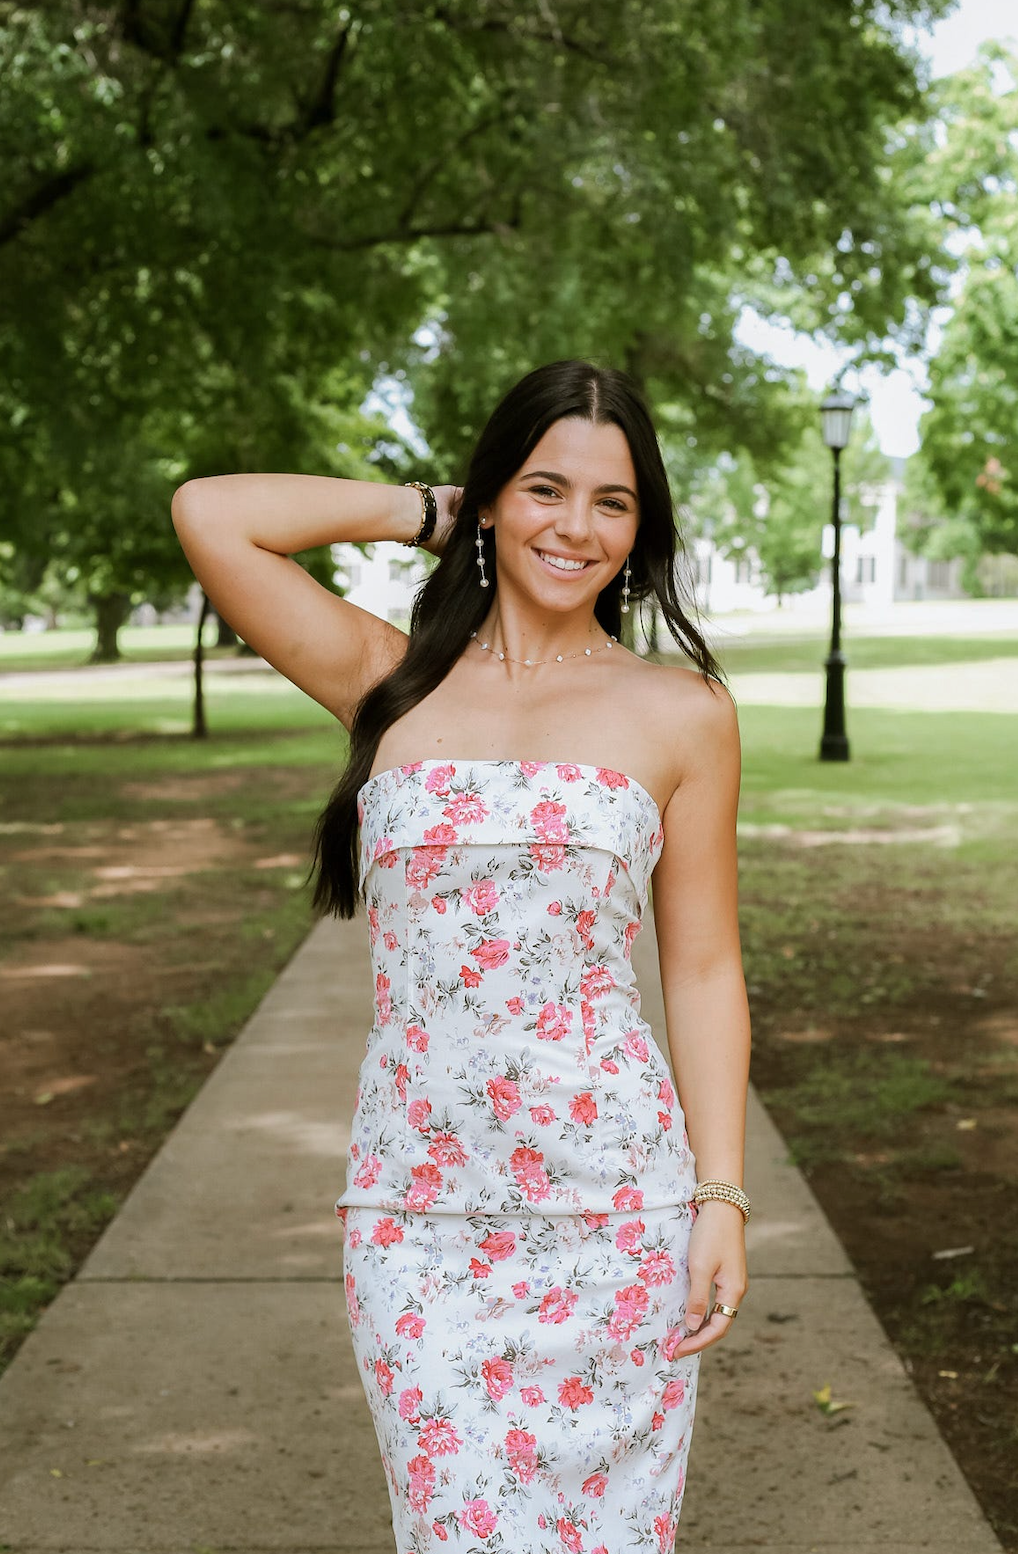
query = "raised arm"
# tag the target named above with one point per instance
(695, 892)
(240, 532)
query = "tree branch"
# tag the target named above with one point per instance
(58, 188)
(322, 109)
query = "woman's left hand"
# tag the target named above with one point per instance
(717, 1252)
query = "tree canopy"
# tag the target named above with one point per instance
(222, 220)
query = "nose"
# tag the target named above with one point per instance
(573, 518)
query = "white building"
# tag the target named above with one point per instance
(384, 580)
(876, 568)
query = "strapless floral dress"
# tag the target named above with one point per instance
(518, 1198)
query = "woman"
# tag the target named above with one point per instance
(529, 1255)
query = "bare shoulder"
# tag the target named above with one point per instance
(696, 717)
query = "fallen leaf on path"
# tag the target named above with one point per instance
(827, 1404)
(954, 1251)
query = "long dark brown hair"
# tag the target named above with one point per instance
(449, 605)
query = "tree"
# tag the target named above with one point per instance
(214, 206)
(779, 512)
(970, 434)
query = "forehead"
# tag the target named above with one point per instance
(585, 450)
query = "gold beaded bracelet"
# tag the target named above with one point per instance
(727, 1192)
(429, 514)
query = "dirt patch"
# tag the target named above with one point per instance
(899, 1101)
(133, 950)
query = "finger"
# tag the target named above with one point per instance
(710, 1332)
(698, 1300)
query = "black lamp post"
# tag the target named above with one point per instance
(836, 415)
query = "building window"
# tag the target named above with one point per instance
(902, 571)
(353, 575)
(939, 574)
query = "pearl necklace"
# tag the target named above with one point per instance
(587, 652)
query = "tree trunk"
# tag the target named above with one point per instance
(225, 635)
(199, 729)
(111, 611)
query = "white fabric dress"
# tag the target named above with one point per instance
(518, 1199)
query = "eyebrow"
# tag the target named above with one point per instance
(549, 474)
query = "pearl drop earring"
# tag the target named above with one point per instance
(625, 590)
(480, 554)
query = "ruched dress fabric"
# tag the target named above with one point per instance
(518, 1199)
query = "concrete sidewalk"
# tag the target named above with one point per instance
(193, 1390)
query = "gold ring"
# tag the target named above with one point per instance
(726, 1311)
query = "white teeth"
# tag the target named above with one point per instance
(563, 565)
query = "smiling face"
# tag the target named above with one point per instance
(574, 500)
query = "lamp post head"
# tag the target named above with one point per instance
(836, 418)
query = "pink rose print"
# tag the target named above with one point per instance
(416, 1039)
(583, 1108)
(400, 1077)
(628, 1236)
(498, 1245)
(542, 1115)
(632, 929)
(665, 1093)
(521, 1449)
(584, 923)
(504, 1095)
(569, 773)
(439, 904)
(555, 909)
(422, 1483)
(423, 865)
(595, 1221)
(596, 981)
(498, 1377)
(418, 1115)
(533, 1397)
(438, 1437)
(674, 1393)
(637, 1357)
(610, 779)
(439, 777)
(528, 1168)
(570, 1535)
(609, 1066)
(469, 977)
(389, 940)
(425, 1186)
(482, 897)
(521, 1290)
(656, 1422)
(410, 1400)
(410, 1325)
(445, 1149)
(636, 1046)
(665, 1527)
(479, 1270)
(491, 954)
(628, 1198)
(596, 1484)
(553, 1022)
(549, 821)
(383, 1003)
(369, 1172)
(514, 1005)
(548, 856)
(464, 808)
(387, 1233)
(556, 1306)
(442, 1535)
(671, 1341)
(384, 1375)
(656, 1268)
(478, 1518)
(573, 1393)
(630, 1309)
